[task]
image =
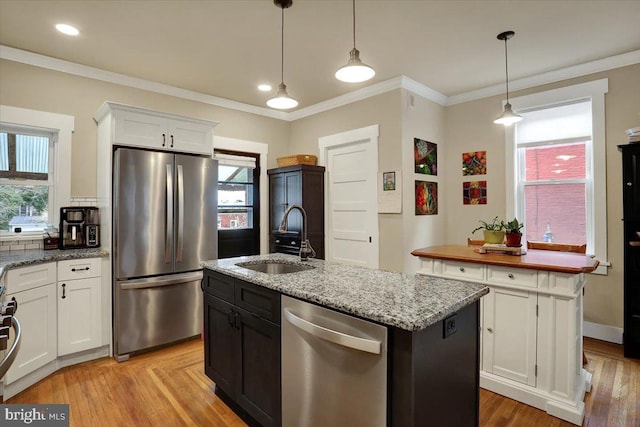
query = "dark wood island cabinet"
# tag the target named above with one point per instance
(432, 365)
(242, 345)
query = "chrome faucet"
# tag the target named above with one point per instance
(306, 251)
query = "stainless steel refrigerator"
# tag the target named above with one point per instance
(165, 224)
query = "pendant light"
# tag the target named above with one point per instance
(508, 117)
(282, 100)
(355, 71)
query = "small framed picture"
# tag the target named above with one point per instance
(388, 181)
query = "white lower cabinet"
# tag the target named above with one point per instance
(34, 289)
(79, 305)
(60, 313)
(531, 334)
(509, 334)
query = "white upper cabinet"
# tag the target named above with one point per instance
(139, 127)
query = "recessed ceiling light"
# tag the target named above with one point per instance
(264, 88)
(67, 29)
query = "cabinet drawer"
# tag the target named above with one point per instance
(79, 268)
(512, 276)
(561, 281)
(463, 270)
(219, 285)
(258, 300)
(21, 279)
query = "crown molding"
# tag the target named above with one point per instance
(35, 59)
(617, 61)
(400, 82)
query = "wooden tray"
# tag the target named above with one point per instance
(500, 249)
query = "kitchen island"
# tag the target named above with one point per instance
(432, 347)
(531, 322)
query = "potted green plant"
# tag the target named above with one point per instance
(513, 233)
(493, 231)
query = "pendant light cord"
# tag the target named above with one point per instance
(354, 24)
(506, 66)
(282, 48)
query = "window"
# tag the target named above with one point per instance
(58, 128)
(26, 181)
(556, 177)
(552, 145)
(235, 192)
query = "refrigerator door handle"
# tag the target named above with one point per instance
(156, 282)
(180, 191)
(168, 234)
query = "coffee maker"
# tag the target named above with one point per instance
(79, 227)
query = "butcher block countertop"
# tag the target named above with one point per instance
(561, 262)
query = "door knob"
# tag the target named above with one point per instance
(490, 330)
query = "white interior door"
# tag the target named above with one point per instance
(351, 199)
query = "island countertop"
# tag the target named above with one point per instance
(561, 262)
(408, 302)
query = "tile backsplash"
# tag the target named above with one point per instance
(20, 243)
(83, 201)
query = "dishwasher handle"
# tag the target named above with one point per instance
(345, 340)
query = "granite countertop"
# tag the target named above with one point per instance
(11, 259)
(407, 302)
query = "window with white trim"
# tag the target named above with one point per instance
(556, 173)
(26, 178)
(59, 129)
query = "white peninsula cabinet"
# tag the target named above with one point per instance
(60, 309)
(531, 322)
(34, 289)
(138, 127)
(79, 305)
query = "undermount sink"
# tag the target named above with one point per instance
(274, 267)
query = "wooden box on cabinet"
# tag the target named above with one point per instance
(298, 185)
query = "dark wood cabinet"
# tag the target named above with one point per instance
(242, 346)
(631, 218)
(297, 185)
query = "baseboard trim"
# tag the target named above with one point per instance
(602, 332)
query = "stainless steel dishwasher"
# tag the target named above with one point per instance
(334, 368)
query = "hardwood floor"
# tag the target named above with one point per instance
(168, 388)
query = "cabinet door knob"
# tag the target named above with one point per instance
(80, 269)
(64, 290)
(164, 139)
(510, 276)
(490, 330)
(171, 141)
(462, 269)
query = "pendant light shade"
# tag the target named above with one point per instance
(508, 117)
(355, 71)
(282, 100)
